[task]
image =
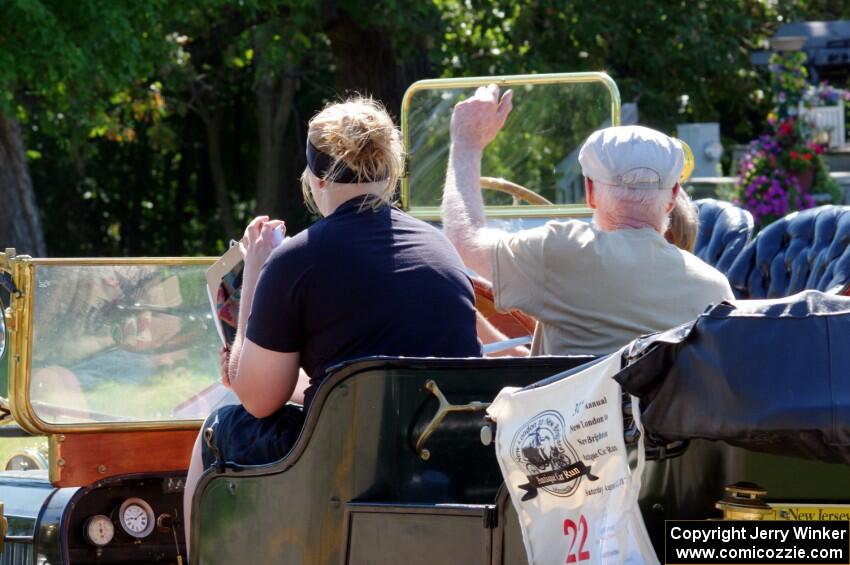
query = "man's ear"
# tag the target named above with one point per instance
(672, 204)
(588, 191)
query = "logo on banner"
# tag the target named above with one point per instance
(550, 461)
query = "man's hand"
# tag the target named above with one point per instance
(260, 240)
(477, 120)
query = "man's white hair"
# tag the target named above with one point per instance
(624, 207)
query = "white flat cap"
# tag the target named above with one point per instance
(632, 156)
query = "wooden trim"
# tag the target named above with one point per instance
(84, 459)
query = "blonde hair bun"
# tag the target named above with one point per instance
(359, 134)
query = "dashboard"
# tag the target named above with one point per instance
(127, 520)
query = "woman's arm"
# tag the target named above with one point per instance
(264, 380)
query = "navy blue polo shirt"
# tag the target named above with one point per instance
(364, 282)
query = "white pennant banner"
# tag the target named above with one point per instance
(562, 454)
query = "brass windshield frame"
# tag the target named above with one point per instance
(432, 213)
(23, 269)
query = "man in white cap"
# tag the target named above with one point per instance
(593, 286)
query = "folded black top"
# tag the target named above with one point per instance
(767, 375)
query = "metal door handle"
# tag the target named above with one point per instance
(444, 409)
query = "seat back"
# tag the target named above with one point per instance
(808, 250)
(354, 489)
(724, 230)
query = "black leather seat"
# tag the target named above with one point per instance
(808, 250)
(724, 230)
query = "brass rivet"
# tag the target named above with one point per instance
(101, 469)
(61, 462)
(425, 455)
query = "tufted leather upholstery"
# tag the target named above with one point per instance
(724, 230)
(803, 250)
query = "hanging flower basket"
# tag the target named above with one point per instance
(778, 172)
(805, 179)
(784, 167)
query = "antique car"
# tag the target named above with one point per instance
(112, 364)
(100, 424)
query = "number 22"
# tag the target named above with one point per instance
(570, 528)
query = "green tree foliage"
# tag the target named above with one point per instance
(160, 127)
(60, 65)
(680, 60)
(817, 10)
(64, 60)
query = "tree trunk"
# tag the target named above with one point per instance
(366, 59)
(222, 197)
(274, 107)
(209, 110)
(20, 226)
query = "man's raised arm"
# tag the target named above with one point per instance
(475, 122)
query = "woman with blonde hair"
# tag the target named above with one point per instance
(684, 223)
(367, 279)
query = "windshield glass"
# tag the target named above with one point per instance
(119, 343)
(537, 148)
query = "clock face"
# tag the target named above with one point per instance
(136, 517)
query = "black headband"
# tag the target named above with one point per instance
(322, 163)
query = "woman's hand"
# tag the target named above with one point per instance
(259, 241)
(261, 237)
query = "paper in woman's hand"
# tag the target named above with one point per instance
(224, 289)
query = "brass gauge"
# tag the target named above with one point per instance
(99, 530)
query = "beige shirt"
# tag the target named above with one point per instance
(594, 291)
